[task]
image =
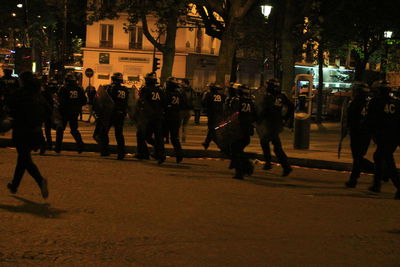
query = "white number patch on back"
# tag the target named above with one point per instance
(278, 102)
(73, 94)
(246, 107)
(390, 108)
(155, 96)
(121, 94)
(217, 98)
(364, 111)
(175, 100)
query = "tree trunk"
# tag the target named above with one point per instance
(360, 64)
(320, 96)
(169, 48)
(288, 47)
(226, 55)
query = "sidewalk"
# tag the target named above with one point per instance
(322, 153)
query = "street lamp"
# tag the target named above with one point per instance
(387, 35)
(266, 11)
(20, 5)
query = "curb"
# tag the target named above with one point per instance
(197, 153)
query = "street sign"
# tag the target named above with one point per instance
(89, 72)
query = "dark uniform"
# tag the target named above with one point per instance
(27, 108)
(245, 108)
(186, 108)
(8, 85)
(175, 101)
(119, 94)
(360, 133)
(384, 116)
(71, 98)
(151, 107)
(213, 102)
(271, 121)
(49, 92)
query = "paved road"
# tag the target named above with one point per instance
(104, 212)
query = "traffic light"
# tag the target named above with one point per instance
(156, 64)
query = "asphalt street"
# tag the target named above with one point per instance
(104, 212)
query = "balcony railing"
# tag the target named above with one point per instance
(106, 44)
(135, 46)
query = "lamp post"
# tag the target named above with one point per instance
(387, 35)
(266, 11)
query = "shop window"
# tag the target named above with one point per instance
(104, 58)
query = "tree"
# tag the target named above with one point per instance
(221, 19)
(363, 28)
(39, 24)
(169, 14)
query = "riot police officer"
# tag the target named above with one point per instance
(360, 133)
(270, 124)
(213, 102)
(231, 100)
(49, 92)
(175, 101)
(8, 85)
(71, 98)
(384, 116)
(119, 95)
(151, 107)
(246, 116)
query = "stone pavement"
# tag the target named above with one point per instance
(323, 151)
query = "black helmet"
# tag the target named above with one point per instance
(242, 89)
(214, 87)
(360, 88)
(70, 78)
(7, 71)
(382, 86)
(117, 77)
(151, 78)
(171, 83)
(273, 86)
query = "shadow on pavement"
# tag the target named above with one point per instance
(38, 209)
(395, 231)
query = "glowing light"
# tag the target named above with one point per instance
(387, 34)
(266, 10)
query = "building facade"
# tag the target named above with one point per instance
(111, 47)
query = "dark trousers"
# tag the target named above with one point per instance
(359, 146)
(72, 119)
(385, 163)
(47, 132)
(145, 133)
(172, 127)
(117, 121)
(278, 150)
(197, 116)
(239, 160)
(211, 124)
(25, 162)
